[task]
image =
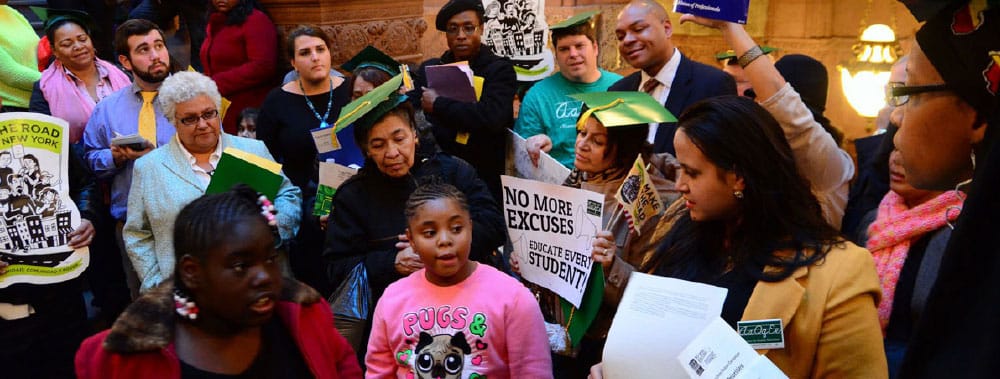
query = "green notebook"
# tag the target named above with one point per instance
(237, 166)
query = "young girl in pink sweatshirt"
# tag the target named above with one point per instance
(454, 318)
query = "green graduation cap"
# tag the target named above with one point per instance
(622, 108)
(372, 57)
(51, 16)
(365, 110)
(577, 19)
(729, 54)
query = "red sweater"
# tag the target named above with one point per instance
(325, 351)
(242, 60)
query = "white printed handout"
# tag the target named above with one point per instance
(657, 318)
(549, 170)
(720, 352)
(551, 228)
(36, 211)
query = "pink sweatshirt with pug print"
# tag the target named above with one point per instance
(487, 326)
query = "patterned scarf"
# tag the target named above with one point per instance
(895, 228)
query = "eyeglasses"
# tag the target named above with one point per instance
(468, 29)
(898, 93)
(193, 120)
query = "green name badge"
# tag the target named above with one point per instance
(762, 334)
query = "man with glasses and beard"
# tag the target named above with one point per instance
(133, 110)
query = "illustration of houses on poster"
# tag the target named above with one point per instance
(36, 212)
(516, 29)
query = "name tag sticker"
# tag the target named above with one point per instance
(762, 334)
(325, 139)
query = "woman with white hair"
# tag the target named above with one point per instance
(173, 175)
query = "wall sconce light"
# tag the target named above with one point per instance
(865, 78)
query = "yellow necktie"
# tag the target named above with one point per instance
(147, 118)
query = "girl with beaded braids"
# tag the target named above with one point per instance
(216, 315)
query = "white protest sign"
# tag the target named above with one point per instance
(549, 170)
(36, 211)
(552, 228)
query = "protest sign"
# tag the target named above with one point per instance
(516, 29)
(36, 211)
(638, 196)
(551, 228)
(519, 164)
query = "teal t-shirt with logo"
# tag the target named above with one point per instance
(547, 109)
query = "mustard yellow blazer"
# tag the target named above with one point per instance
(829, 315)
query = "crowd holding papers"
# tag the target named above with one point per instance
(238, 166)
(551, 228)
(519, 163)
(726, 10)
(36, 211)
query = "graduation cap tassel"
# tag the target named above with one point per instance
(583, 118)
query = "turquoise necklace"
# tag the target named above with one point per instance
(329, 104)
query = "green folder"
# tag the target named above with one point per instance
(589, 305)
(237, 166)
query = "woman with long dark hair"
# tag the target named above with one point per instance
(753, 226)
(240, 53)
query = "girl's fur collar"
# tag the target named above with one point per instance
(148, 323)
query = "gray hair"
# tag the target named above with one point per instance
(184, 86)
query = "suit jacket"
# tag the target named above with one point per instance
(163, 183)
(693, 82)
(829, 316)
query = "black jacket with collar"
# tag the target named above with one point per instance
(486, 120)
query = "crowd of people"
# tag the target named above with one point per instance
(880, 269)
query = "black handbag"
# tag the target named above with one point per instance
(351, 305)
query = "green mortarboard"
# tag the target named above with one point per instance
(51, 16)
(729, 54)
(577, 19)
(372, 57)
(622, 108)
(365, 110)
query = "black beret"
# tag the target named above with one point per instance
(454, 7)
(963, 44)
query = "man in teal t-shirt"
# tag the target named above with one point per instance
(548, 116)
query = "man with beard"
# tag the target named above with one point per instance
(132, 110)
(643, 33)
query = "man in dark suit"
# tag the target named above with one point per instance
(643, 34)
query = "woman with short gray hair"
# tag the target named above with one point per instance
(173, 175)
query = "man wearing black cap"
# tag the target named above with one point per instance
(643, 33)
(473, 131)
(948, 115)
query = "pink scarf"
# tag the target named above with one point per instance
(67, 102)
(895, 228)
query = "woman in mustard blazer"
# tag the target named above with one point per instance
(753, 226)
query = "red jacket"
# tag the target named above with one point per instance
(242, 60)
(140, 343)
